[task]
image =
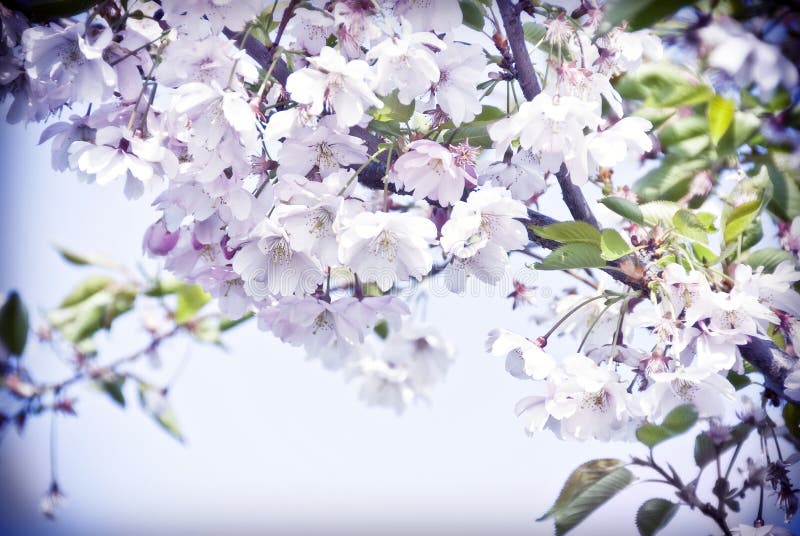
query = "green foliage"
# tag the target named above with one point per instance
(14, 324)
(705, 451)
(663, 85)
(757, 191)
(613, 246)
(474, 131)
(191, 298)
(677, 421)
(739, 381)
(653, 515)
(393, 110)
(785, 202)
(659, 212)
(769, 258)
(791, 416)
(720, 116)
(112, 386)
(588, 487)
(640, 14)
(382, 329)
(569, 232)
(91, 306)
(472, 13)
(623, 207)
(575, 255)
(687, 224)
(155, 403)
(669, 181)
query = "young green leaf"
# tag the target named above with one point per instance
(191, 298)
(705, 451)
(571, 232)
(791, 416)
(654, 515)
(14, 324)
(677, 421)
(472, 13)
(640, 14)
(623, 207)
(687, 224)
(612, 245)
(769, 258)
(720, 116)
(588, 487)
(576, 255)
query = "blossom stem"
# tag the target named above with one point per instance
(360, 169)
(570, 313)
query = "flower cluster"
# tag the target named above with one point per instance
(258, 175)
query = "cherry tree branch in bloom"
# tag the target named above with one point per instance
(526, 76)
(523, 67)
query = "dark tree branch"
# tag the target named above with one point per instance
(260, 53)
(523, 66)
(526, 76)
(574, 199)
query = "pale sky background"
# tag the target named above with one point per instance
(276, 443)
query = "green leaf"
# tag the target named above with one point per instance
(73, 258)
(739, 381)
(113, 388)
(623, 207)
(769, 258)
(681, 129)
(393, 110)
(80, 320)
(720, 116)
(752, 195)
(155, 402)
(191, 298)
(785, 202)
(739, 219)
(573, 256)
(704, 254)
(164, 287)
(640, 14)
(743, 127)
(687, 224)
(14, 324)
(705, 451)
(791, 416)
(474, 131)
(654, 515)
(677, 421)
(669, 181)
(86, 289)
(657, 116)
(472, 14)
(588, 487)
(226, 323)
(569, 232)
(581, 478)
(613, 246)
(663, 85)
(659, 212)
(382, 329)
